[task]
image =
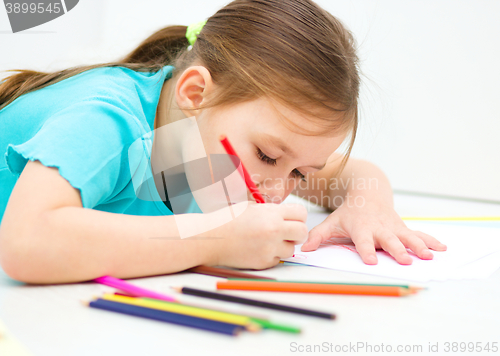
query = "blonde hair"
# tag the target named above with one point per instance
(290, 50)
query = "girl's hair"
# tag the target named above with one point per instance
(290, 50)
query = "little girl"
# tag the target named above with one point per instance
(278, 78)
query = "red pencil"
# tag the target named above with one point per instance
(248, 181)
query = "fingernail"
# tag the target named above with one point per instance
(372, 259)
(427, 254)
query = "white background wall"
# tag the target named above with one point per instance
(431, 95)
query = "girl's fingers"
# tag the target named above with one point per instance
(430, 241)
(391, 243)
(363, 239)
(287, 250)
(414, 243)
(317, 235)
(293, 212)
(295, 232)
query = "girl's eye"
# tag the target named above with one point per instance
(265, 158)
(295, 173)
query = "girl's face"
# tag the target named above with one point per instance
(276, 157)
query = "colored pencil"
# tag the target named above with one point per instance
(266, 324)
(453, 218)
(253, 302)
(124, 294)
(410, 287)
(262, 321)
(131, 289)
(185, 310)
(179, 319)
(209, 306)
(248, 180)
(224, 272)
(271, 286)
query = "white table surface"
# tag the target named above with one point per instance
(49, 320)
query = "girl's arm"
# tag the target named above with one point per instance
(55, 240)
(47, 237)
(362, 199)
(359, 178)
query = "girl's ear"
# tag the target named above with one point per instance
(192, 89)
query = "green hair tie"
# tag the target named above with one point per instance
(193, 30)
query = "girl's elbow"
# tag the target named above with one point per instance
(17, 260)
(10, 264)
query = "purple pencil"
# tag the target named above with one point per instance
(131, 289)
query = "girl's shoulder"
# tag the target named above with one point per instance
(134, 92)
(119, 85)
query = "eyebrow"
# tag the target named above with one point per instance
(282, 145)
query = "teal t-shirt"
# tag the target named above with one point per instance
(85, 126)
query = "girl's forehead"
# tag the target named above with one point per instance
(281, 126)
(269, 115)
(309, 121)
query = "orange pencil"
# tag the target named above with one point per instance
(314, 288)
(248, 180)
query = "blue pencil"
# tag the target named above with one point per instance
(160, 315)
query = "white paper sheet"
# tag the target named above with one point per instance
(465, 245)
(479, 269)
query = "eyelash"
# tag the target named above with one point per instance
(268, 160)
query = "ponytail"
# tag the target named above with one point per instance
(158, 50)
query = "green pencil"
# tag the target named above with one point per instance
(266, 324)
(336, 283)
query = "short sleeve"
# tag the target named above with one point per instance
(88, 142)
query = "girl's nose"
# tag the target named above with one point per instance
(272, 191)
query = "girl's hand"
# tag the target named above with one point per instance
(261, 236)
(371, 227)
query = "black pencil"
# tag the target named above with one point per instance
(253, 302)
